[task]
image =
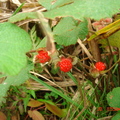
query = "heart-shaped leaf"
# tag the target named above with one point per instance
(14, 43)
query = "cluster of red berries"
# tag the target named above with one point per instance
(65, 64)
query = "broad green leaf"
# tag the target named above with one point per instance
(23, 16)
(60, 3)
(113, 98)
(80, 9)
(116, 117)
(69, 30)
(46, 3)
(14, 80)
(35, 115)
(14, 43)
(21, 77)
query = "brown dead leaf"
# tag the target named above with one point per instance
(35, 115)
(14, 118)
(34, 103)
(55, 110)
(2, 116)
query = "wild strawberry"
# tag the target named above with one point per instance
(100, 66)
(43, 56)
(65, 64)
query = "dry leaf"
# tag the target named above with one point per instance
(34, 103)
(35, 115)
(55, 110)
(2, 116)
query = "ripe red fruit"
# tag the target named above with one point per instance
(65, 64)
(43, 56)
(100, 66)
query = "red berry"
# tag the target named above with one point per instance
(65, 64)
(43, 56)
(100, 66)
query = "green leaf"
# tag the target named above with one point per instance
(42, 43)
(68, 31)
(114, 40)
(116, 117)
(18, 9)
(49, 5)
(14, 80)
(46, 3)
(113, 98)
(23, 16)
(80, 9)
(14, 43)
(21, 77)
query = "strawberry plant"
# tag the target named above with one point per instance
(32, 43)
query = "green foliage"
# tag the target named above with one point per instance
(113, 97)
(81, 9)
(68, 99)
(14, 43)
(34, 38)
(69, 30)
(22, 16)
(114, 40)
(49, 5)
(116, 117)
(42, 43)
(14, 80)
(18, 9)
